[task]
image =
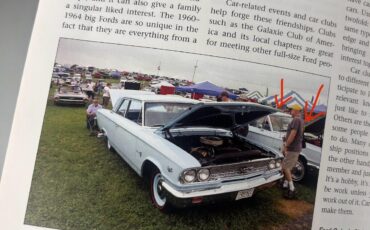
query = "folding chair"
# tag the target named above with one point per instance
(91, 124)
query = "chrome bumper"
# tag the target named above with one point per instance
(70, 101)
(225, 187)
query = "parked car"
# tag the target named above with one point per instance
(88, 76)
(76, 77)
(55, 78)
(190, 152)
(271, 130)
(70, 95)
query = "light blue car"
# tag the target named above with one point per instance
(190, 152)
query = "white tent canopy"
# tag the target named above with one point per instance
(296, 100)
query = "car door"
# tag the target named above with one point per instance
(312, 154)
(119, 123)
(127, 133)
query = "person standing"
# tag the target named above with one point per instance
(292, 148)
(106, 95)
(90, 90)
(224, 97)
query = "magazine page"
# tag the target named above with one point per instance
(14, 41)
(192, 114)
(343, 190)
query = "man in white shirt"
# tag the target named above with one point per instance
(90, 90)
(106, 95)
(91, 114)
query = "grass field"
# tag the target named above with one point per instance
(79, 184)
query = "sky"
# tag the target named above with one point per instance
(220, 71)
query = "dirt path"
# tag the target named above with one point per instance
(302, 223)
(300, 212)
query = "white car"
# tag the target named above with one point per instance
(271, 129)
(190, 152)
(70, 95)
(88, 77)
(76, 77)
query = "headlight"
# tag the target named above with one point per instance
(189, 175)
(272, 164)
(203, 174)
(278, 164)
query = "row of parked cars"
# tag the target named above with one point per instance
(192, 152)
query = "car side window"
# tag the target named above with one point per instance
(122, 109)
(117, 105)
(134, 112)
(261, 123)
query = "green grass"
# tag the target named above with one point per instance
(78, 184)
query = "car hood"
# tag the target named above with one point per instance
(316, 126)
(226, 115)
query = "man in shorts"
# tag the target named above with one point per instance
(292, 149)
(106, 95)
(90, 90)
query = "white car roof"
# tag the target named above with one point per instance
(163, 98)
(282, 114)
(116, 94)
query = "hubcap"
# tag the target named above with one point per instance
(158, 190)
(298, 171)
(108, 145)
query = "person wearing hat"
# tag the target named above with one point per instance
(292, 148)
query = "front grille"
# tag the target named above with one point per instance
(71, 98)
(239, 169)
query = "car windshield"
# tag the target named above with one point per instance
(158, 114)
(69, 89)
(280, 123)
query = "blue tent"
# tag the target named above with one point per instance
(115, 74)
(206, 88)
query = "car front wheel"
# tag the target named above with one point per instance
(157, 191)
(109, 146)
(299, 170)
